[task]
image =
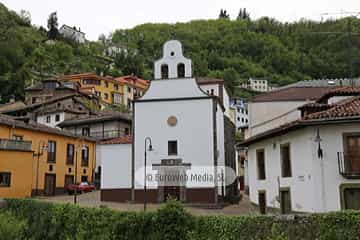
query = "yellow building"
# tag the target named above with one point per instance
(35, 159)
(116, 91)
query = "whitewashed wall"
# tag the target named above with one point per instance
(115, 165)
(312, 190)
(264, 116)
(194, 131)
(42, 119)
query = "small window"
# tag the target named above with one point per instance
(212, 92)
(18, 138)
(116, 87)
(129, 89)
(85, 157)
(5, 179)
(57, 118)
(127, 131)
(106, 96)
(164, 71)
(70, 154)
(84, 178)
(172, 148)
(260, 160)
(106, 84)
(48, 119)
(51, 151)
(86, 131)
(285, 160)
(181, 70)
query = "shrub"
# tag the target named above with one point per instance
(57, 221)
(11, 228)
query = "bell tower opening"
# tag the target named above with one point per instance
(173, 64)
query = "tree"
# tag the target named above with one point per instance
(223, 14)
(53, 26)
(25, 16)
(243, 14)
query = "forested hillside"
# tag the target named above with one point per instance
(265, 48)
(26, 55)
(231, 49)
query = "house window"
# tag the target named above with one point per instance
(106, 84)
(86, 131)
(84, 178)
(127, 131)
(17, 138)
(5, 179)
(106, 96)
(260, 160)
(350, 196)
(352, 152)
(129, 89)
(85, 157)
(212, 92)
(57, 118)
(116, 87)
(48, 119)
(172, 148)
(70, 154)
(33, 100)
(285, 160)
(181, 70)
(51, 151)
(164, 71)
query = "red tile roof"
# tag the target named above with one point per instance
(206, 80)
(343, 109)
(133, 81)
(340, 91)
(120, 140)
(292, 94)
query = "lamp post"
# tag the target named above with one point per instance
(147, 139)
(82, 147)
(41, 149)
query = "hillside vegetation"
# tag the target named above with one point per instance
(231, 49)
(265, 48)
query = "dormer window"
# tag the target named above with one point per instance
(164, 71)
(181, 70)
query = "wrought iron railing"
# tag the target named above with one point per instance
(9, 144)
(349, 166)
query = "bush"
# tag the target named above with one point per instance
(57, 221)
(11, 228)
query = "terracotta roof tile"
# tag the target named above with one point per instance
(120, 140)
(340, 91)
(206, 80)
(133, 81)
(292, 94)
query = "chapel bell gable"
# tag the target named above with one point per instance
(173, 64)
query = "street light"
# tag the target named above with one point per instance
(82, 147)
(42, 147)
(150, 149)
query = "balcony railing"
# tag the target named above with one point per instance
(349, 166)
(8, 144)
(109, 134)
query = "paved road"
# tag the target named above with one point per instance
(93, 200)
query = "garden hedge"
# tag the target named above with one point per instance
(39, 220)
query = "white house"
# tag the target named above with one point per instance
(311, 164)
(72, 33)
(185, 128)
(241, 112)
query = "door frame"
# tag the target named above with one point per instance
(265, 206)
(342, 194)
(284, 189)
(54, 185)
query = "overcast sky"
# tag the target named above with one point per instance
(95, 17)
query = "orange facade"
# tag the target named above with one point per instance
(47, 172)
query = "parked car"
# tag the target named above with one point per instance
(80, 188)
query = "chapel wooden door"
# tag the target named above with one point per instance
(172, 192)
(353, 153)
(50, 184)
(285, 201)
